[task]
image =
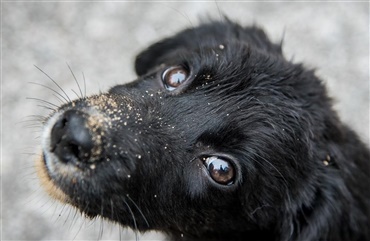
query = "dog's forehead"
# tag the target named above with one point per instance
(225, 36)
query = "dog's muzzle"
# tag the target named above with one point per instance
(74, 144)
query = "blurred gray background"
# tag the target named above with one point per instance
(101, 40)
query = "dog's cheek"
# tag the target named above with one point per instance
(195, 181)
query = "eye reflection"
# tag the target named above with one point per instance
(220, 169)
(173, 77)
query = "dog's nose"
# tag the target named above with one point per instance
(71, 139)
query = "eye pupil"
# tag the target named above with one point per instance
(220, 170)
(174, 77)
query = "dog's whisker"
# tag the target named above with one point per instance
(133, 217)
(37, 127)
(37, 118)
(74, 219)
(62, 101)
(259, 208)
(101, 229)
(271, 165)
(78, 231)
(67, 218)
(220, 15)
(31, 123)
(141, 213)
(57, 94)
(78, 84)
(182, 14)
(83, 77)
(46, 107)
(112, 209)
(43, 101)
(101, 207)
(78, 97)
(69, 100)
(86, 207)
(61, 211)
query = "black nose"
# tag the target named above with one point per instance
(71, 139)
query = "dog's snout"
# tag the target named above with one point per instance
(71, 140)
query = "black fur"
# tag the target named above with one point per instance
(299, 173)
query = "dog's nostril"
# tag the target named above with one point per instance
(71, 139)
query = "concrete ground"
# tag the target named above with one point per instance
(101, 40)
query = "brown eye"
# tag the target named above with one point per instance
(221, 170)
(173, 77)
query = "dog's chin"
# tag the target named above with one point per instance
(48, 183)
(63, 182)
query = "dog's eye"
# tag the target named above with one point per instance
(173, 77)
(221, 170)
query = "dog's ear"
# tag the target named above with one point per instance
(207, 35)
(152, 56)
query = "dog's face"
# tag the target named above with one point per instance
(217, 127)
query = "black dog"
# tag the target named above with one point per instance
(220, 138)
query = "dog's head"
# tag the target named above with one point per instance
(217, 127)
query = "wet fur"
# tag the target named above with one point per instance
(301, 174)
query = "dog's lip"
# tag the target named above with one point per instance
(47, 181)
